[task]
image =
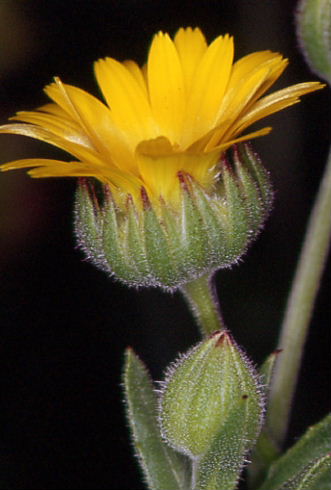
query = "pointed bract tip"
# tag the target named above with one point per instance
(145, 199)
(184, 181)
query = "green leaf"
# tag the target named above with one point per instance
(316, 476)
(306, 465)
(267, 368)
(163, 468)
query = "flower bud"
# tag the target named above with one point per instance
(212, 393)
(168, 245)
(314, 33)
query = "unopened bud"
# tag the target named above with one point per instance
(211, 392)
(314, 34)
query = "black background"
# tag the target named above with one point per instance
(64, 324)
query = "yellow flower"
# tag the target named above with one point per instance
(178, 113)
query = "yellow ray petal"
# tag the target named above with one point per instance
(130, 109)
(276, 102)
(262, 68)
(236, 104)
(166, 86)
(138, 74)
(69, 131)
(55, 168)
(276, 66)
(121, 182)
(96, 121)
(42, 134)
(87, 111)
(191, 45)
(246, 85)
(255, 134)
(212, 144)
(57, 92)
(251, 62)
(30, 162)
(55, 172)
(55, 110)
(208, 88)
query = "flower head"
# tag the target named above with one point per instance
(172, 207)
(178, 113)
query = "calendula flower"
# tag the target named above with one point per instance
(178, 113)
(172, 208)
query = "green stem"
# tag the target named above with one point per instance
(201, 296)
(299, 309)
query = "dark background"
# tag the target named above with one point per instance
(65, 324)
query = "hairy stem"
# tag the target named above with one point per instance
(299, 309)
(201, 296)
